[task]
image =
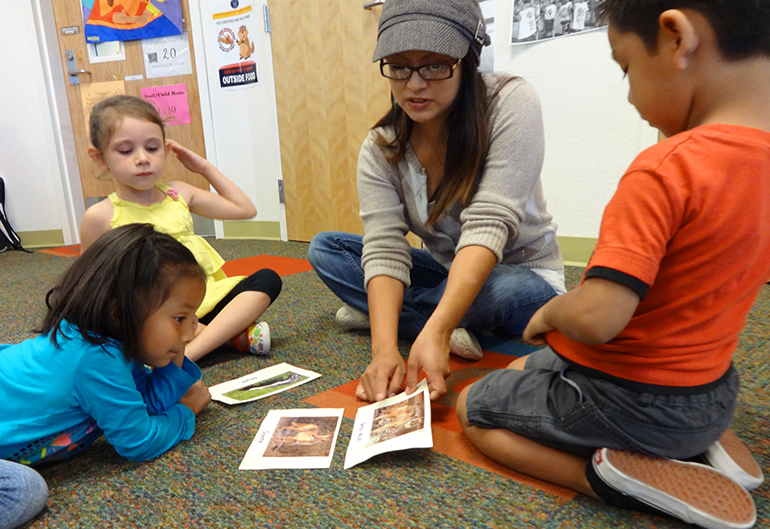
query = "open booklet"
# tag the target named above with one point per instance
(397, 423)
(261, 384)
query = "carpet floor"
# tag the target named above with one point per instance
(198, 484)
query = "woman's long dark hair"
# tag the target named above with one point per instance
(467, 125)
(111, 290)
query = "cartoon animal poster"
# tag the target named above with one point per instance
(234, 26)
(109, 20)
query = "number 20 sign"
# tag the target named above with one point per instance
(166, 56)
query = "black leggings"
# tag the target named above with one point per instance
(264, 280)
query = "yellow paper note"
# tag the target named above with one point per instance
(92, 93)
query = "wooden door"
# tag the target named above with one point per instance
(68, 15)
(329, 94)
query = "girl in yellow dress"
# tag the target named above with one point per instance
(129, 141)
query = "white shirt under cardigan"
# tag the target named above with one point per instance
(506, 215)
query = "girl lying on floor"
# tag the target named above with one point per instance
(110, 356)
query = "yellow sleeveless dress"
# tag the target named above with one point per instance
(172, 216)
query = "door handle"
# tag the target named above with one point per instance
(72, 67)
(369, 5)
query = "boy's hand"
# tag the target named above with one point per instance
(192, 161)
(536, 329)
(197, 397)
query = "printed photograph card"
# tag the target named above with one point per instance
(302, 438)
(397, 423)
(261, 384)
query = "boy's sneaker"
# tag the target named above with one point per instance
(259, 339)
(465, 345)
(692, 492)
(731, 457)
(351, 319)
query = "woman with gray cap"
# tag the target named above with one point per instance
(456, 161)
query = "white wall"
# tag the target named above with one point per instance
(243, 142)
(592, 132)
(240, 126)
(29, 161)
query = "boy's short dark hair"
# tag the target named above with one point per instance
(742, 27)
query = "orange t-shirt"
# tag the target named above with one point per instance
(691, 220)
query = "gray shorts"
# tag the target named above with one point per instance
(553, 404)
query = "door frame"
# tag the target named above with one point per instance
(69, 193)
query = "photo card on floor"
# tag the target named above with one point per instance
(397, 423)
(261, 384)
(301, 438)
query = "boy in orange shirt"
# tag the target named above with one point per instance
(637, 379)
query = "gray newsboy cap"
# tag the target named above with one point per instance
(448, 27)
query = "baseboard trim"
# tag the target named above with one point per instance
(267, 230)
(576, 251)
(261, 229)
(41, 238)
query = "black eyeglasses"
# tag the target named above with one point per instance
(429, 72)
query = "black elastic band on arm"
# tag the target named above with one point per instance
(621, 278)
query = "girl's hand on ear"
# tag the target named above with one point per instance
(197, 397)
(229, 201)
(192, 161)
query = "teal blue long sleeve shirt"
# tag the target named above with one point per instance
(45, 389)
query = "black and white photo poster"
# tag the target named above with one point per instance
(537, 20)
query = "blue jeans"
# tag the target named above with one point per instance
(506, 302)
(23, 494)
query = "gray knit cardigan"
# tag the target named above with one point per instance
(507, 214)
